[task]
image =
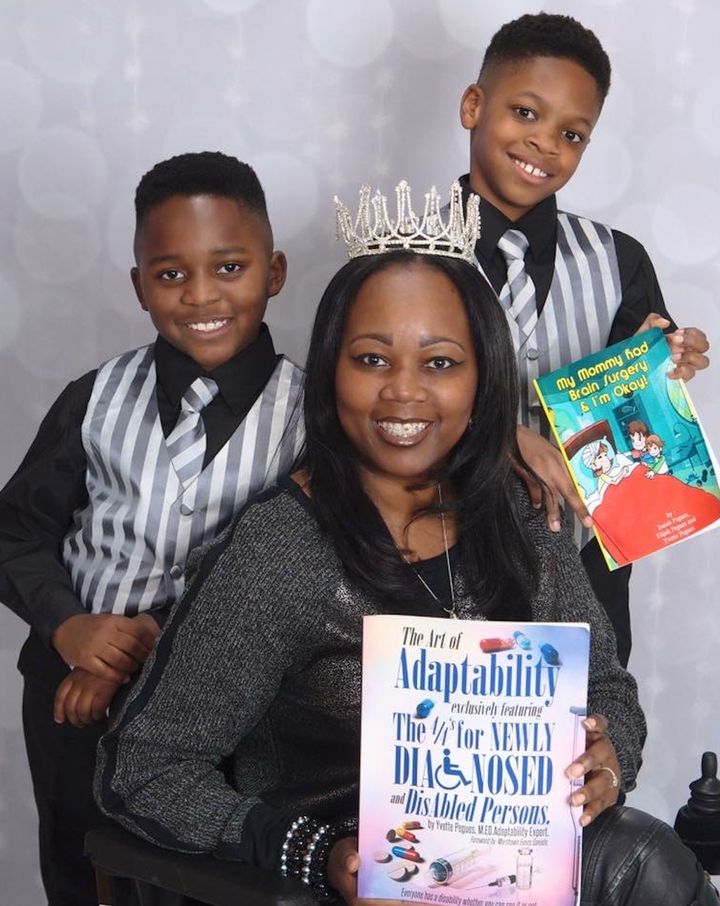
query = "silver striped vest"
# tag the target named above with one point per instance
(575, 321)
(127, 549)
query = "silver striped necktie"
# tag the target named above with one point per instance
(517, 296)
(186, 442)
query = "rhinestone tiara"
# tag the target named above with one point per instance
(373, 232)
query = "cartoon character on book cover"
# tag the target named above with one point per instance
(635, 447)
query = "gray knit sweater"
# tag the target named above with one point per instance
(257, 675)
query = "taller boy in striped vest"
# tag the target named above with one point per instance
(134, 465)
(569, 286)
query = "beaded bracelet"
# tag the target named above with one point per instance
(306, 850)
(294, 846)
(315, 862)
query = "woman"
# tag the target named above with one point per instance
(405, 501)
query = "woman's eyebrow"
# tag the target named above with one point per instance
(383, 338)
(387, 340)
(430, 341)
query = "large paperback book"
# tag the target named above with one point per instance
(634, 446)
(467, 730)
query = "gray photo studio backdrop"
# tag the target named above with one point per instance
(320, 96)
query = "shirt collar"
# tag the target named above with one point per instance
(539, 225)
(239, 379)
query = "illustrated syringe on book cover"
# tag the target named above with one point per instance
(635, 447)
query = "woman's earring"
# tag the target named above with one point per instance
(470, 424)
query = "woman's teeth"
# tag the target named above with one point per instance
(403, 429)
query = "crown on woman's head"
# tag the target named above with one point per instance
(373, 232)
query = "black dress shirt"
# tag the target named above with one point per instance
(37, 504)
(641, 293)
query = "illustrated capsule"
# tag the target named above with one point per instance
(550, 654)
(522, 640)
(489, 646)
(424, 707)
(410, 853)
(405, 834)
(391, 836)
(412, 825)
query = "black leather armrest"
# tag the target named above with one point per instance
(120, 854)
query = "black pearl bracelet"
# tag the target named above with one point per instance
(293, 848)
(306, 850)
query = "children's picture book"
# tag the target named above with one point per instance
(634, 446)
(467, 730)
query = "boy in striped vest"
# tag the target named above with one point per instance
(134, 465)
(569, 286)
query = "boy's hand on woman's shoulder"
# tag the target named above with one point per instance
(548, 464)
(688, 346)
(82, 698)
(110, 646)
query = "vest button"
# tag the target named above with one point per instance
(176, 572)
(186, 510)
(532, 354)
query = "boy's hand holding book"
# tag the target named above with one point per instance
(687, 344)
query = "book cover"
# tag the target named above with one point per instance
(634, 446)
(467, 730)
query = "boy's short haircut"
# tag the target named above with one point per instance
(549, 35)
(637, 427)
(200, 173)
(654, 439)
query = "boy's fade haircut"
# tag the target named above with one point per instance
(200, 173)
(549, 35)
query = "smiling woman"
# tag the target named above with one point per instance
(410, 393)
(403, 501)
(406, 376)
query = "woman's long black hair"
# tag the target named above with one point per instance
(496, 559)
